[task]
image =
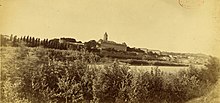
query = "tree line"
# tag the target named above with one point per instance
(29, 41)
(68, 44)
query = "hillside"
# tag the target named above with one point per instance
(111, 50)
(212, 97)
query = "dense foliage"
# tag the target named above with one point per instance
(41, 75)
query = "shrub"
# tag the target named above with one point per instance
(47, 75)
(111, 84)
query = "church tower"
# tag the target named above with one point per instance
(105, 37)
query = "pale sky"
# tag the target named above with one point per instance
(155, 24)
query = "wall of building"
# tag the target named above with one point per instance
(120, 47)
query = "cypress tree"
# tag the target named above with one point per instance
(11, 37)
(24, 38)
(14, 40)
(18, 40)
(33, 42)
(46, 43)
(41, 42)
(36, 42)
(30, 41)
(27, 39)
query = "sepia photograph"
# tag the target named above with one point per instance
(109, 51)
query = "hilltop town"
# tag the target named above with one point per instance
(111, 50)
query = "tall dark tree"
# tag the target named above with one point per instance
(33, 42)
(18, 39)
(38, 42)
(21, 38)
(27, 39)
(24, 38)
(11, 37)
(14, 42)
(46, 43)
(30, 41)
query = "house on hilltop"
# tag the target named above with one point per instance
(71, 43)
(106, 44)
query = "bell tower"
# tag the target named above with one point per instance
(105, 37)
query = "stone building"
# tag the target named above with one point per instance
(105, 44)
(71, 43)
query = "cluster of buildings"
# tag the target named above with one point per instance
(103, 44)
(106, 44)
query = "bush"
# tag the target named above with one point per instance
(47, 75)
(111, 84)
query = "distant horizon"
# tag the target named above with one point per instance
(41, 38)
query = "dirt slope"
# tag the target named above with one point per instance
(212, 97)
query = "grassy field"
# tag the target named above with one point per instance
(64, 76)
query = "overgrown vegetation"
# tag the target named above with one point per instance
(39, 75)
